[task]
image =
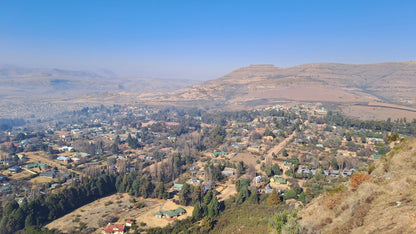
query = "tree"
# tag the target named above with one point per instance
(273, 198)
(160, 190)
(197, 212)
(185, 195)
(208, 197)
(117, 140)
(276, 169)
(213, 207)
(284, 153)
(286, 222)
(334, 164)
(254, 198)
(207, 224)
(132, 142)
(240, 167)
(115, 149)
(289, 193)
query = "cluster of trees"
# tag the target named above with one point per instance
(271, 171)
(398, 126)
(44, 209)
(8, 124)
(209, 206)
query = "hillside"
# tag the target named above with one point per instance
(352, 87)
(383, 204)
(24, 91)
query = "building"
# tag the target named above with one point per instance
(278, 180)
(254, 148)
(227, 172)
(48, 174)
(177, 187)
(63, 159)
(15, 169)
(258, 179)
(114, 229)
(171, 213)
(216, 154)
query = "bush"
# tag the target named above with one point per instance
(108, 203)
(358, 178)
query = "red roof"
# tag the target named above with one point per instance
(9, 144)
(114, 228)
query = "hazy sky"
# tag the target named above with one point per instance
(203, 39)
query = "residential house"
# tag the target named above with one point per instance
(278, 180)
(171, 213)
(258, 179)
(177, 187)
(63, 159)
(15, 169)
(216, 154)
(114, 229)
(48, 174)
(227, 172)
(267, 189)
(254, 148)
(194, 180)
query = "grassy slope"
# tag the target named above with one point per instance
(245, 218)
(383, 204)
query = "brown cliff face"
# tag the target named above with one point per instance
(383, 204)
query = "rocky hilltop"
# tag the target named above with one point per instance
(382, 202)
(381, 86)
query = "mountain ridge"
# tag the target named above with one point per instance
(343, 84)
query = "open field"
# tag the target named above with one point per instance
(120, 206)
(245, 219)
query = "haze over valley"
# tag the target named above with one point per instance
(287, 117)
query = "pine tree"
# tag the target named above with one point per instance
(213, 207)
(208, 198)
(197, 212)
(273, 198)
(254, 198)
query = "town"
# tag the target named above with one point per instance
(166, 164)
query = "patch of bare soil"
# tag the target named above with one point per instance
(247, 158)
(377, 112)
(120, 206)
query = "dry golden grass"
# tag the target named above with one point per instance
(118, 205)
(382, 202)
(358, 178)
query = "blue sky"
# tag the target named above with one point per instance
(202, 39)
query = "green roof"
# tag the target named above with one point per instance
(180, 210)
(219, 153)
(178, 186)
(171, 213)
(377, 156)
(32, 165)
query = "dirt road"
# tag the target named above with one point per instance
(279, 147)
(51, 163)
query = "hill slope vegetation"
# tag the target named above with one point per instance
(382, 202)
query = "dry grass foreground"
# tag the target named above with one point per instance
(384, 203)
(118, 205)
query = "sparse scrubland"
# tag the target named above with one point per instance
(380, 202)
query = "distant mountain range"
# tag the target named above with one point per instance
(32, 82)
(391, 85)
(42, 93)
(379, 90)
